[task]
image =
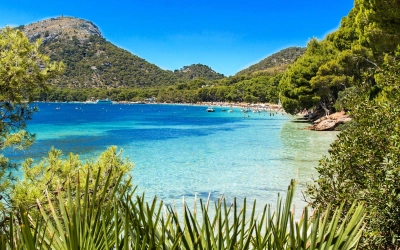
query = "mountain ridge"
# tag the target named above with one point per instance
(277, 62)
(93, 62)
(198, 70)
(65, 27)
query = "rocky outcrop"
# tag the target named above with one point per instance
(61, 27)
(330, 122)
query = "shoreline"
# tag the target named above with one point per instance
(240, 105)
(321, 123)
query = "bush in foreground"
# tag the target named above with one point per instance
(101, 215)
(364, 163)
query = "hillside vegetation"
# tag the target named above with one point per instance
(93, 62)
(277, 62)
(194, 71)
(95, 68)
(96, 63)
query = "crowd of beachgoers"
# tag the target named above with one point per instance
(241, 105)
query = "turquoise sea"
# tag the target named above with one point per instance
(181, 150)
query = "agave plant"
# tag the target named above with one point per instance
(232, 229)
(104, 218)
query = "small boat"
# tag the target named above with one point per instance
(230, 111)
(104, 101)
(210, 110)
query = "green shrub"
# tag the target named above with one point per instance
(364, 163)
(109, 216)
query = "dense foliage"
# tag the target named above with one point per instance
(101, 216)
(97, 63)
(275, 62)
(327, 68)
(262, 87)
(194, 71)
(364, 162)
(250, 89)
(52, 173)
(23, 72)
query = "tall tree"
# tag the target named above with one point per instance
(379, 24)
(297, 93)
(364, 161)
(23, 71)
(364, 164)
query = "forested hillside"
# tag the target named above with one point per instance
(197, 83)
(277, 62)
(93, 62)
(95, 68)
(197, 71)
(96, 63)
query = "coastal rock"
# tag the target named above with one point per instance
(330, 122)
(325, 125)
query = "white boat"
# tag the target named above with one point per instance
(210, 110)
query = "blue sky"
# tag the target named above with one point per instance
(225, 35)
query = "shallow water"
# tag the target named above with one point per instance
(183, 150)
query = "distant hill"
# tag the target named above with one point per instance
(93, 62)
(275, 62)
(197, 71)
(60, 28)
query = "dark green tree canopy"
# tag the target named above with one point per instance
(379, 24)
(364, 163)
(23, 71)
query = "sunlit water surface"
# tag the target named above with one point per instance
(184, 151)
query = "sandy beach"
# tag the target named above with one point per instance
(241, 105)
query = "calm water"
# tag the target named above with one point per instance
(183, 150)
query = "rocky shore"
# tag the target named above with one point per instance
(330, 122)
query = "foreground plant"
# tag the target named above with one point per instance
(110, 217)
(364, 163)
(53, 172)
